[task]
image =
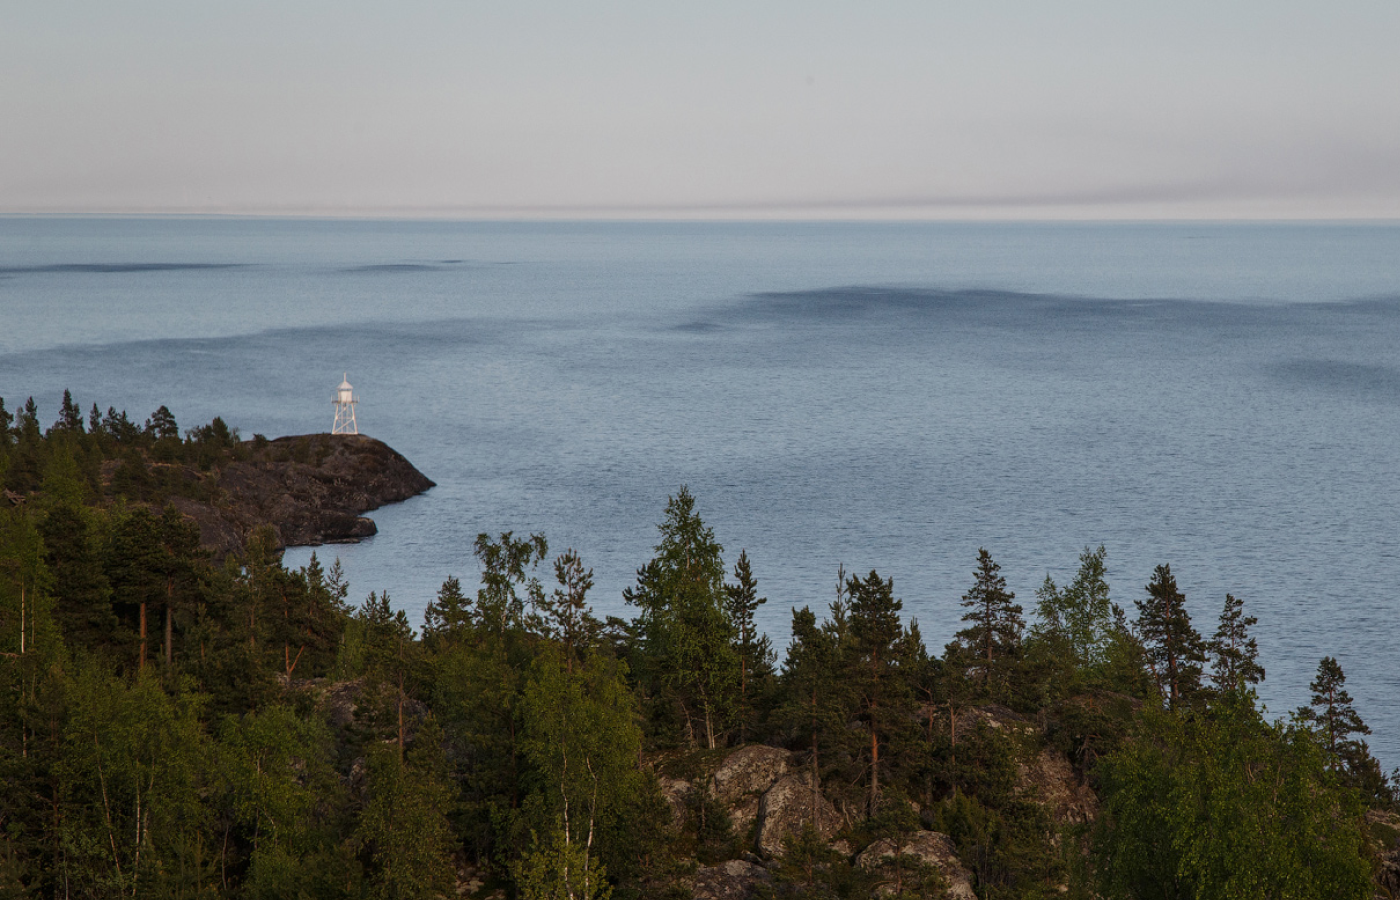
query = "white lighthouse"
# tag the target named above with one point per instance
(345, 401)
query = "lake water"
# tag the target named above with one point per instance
(1224, 398)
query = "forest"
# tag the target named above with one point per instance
(179, 725)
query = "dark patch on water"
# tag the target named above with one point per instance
(113, 268)
(397, 268)
(1362, 380)
(699, 327)
(909, 306)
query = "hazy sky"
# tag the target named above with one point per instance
(716, 108)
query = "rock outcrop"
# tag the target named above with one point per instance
(676, 792)
(734, 879)
(789, 805)
(312, 489)
(932, 849)
(1385, 843)
(1051, 781)
(744, 777)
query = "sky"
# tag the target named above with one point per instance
(653, 109)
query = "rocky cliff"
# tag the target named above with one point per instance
(312, 489)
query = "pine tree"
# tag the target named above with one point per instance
(566, 614)
(687, 639)
(82, 596)
(28, 422)
(1332, 717)
(1235, 652)
(135, 567)
(1175, 650)
(815, 697)
(179, 538)
(755, 650)
(876, 645)
(993, 635)
(447, 618)
(70, 417)
(6, 421)
(161, 425)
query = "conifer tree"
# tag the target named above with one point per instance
(993, 635)
(135, 566)
(1332, 717)
(447, 618)
(6, 420)
(567, 616)
(70, 417)
(687, 638)
(82, 595)
(28, 422)
(755, 650)
(1235, 653)
(1175, 650)
(815, 695)
(119, 426)
(179, 539)
(876, 639)
(161, 425)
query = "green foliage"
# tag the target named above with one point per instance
(566, 615)
(1333, 721)
(26, 589)
(755, 650)
(1175, 650)
(167, 731)
(686, 634)
(506, 565)
(557, 869)
(876, 649)
(580, 739)
(447, 618)
(1219, 804)
(73, 541)
(1080, 612)
(815, 698)
(131, 778)
(1004, 841)
(811, 869)
(992, 639)
(403, 831)
(1235, 653)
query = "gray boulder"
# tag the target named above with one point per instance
(931, 849)
(733, 879)
(677, 795)
(787, 807)
(1050, 780)
(743, 778)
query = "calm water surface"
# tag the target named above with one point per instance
(1225, 398)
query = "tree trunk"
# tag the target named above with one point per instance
(169, 620)
(401, 742)
(953, 744)
(142, 663)
(874, 763)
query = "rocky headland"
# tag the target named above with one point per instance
(312, 489)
